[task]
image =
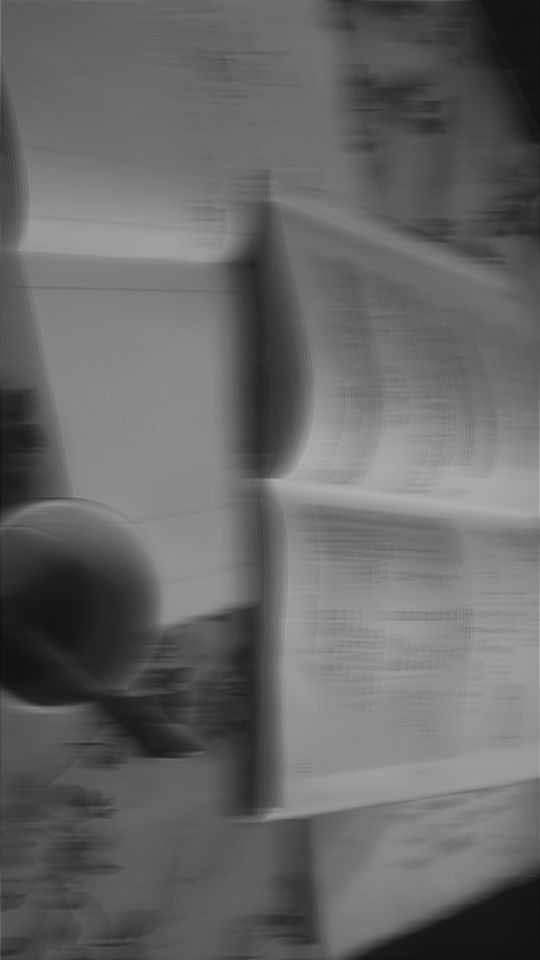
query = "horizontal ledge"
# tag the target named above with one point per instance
(394, 239)
(411, 505)
(215, 243)
(416, 781)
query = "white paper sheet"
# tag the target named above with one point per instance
(382, 872)
(422, 375)
(406, 650)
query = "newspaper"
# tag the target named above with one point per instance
(406, 649)
(419, 371)
(384, 871)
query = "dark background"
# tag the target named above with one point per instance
(514, 28)
(504, 926)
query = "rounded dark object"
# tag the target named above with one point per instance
(74, 572)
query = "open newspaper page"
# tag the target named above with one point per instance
(420, 369)
(406, 649)
(388, 869)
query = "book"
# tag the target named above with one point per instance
(398, 529)
(414, 371)
(400, 613)
(385, 870)
(398, 662)
(403, 649)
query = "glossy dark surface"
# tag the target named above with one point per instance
(503, 926)
(515, 29)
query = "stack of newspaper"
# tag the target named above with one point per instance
(400, 585)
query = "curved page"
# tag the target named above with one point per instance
(424, 373)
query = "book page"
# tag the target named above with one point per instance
(406, 651)
(423, 377)
(383, 871)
